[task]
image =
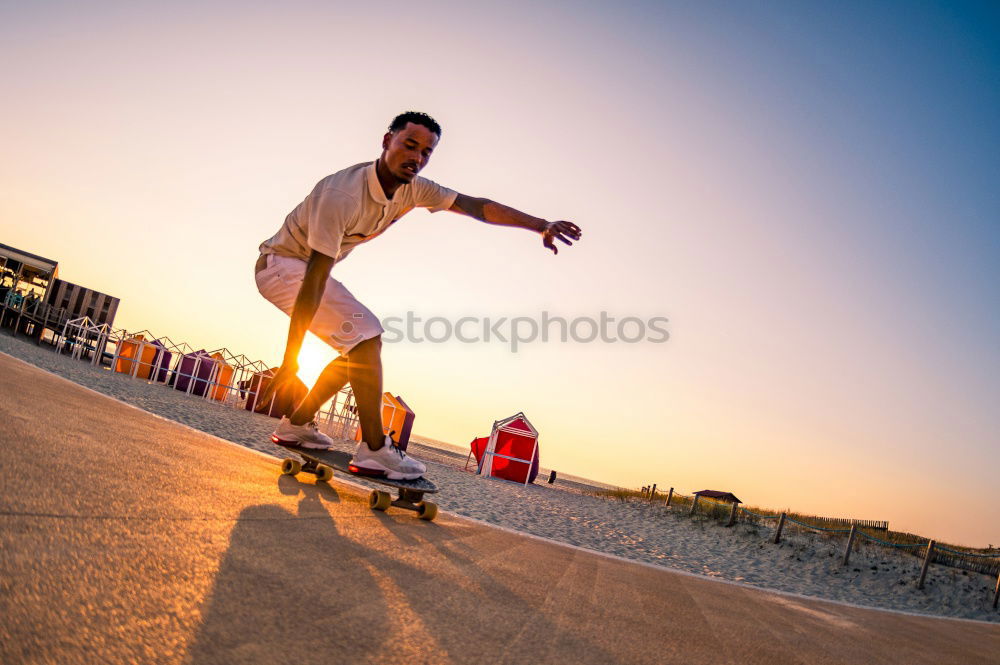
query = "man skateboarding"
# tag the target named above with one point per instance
(293, 272)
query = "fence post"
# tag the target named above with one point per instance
(850, 543)
(927, 563)
(996, 594)
(694, 504)
(652, 492)
(781, 525)
(732, 514)
(670, 495)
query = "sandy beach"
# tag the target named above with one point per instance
(803, 563)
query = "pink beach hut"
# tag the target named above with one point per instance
(510, 451)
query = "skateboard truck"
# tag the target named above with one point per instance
(407, 499)
(321, 471)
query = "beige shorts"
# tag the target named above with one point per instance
(340, 321)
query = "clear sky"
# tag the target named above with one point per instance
(808, 191)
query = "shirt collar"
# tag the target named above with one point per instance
(375, 187)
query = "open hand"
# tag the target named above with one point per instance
(285, 374)
(562, 230)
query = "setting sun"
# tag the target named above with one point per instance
(313, 358)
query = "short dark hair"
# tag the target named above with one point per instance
(417, 118)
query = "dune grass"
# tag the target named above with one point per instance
(836, 527)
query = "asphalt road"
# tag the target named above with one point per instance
(126, 538)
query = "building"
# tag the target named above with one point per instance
(26, 272)
(37, 294)
(80, 301)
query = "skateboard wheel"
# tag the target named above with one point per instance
(379, 500)
(290, 467)
(323, 473)
(427, 510)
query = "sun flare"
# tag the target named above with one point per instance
(313, 359)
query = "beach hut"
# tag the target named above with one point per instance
(193, 373)
(397, 419)
(136, 356)
(283, 403)
(143, 359)
(253, 386)
(340, 420)
(510, 451)
(161, 363)
(83, 336)
(403, 418)
(223, 377)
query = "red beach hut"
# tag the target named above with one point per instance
(510, 451)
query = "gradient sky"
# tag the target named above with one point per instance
(808, 191)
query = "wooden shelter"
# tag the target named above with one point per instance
(725, 497)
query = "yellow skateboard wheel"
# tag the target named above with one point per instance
(323, 473)
(427, 510)
(378, 500)
(290, 467)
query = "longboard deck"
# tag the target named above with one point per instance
(341, 461)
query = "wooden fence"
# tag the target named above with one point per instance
(979, 562)
(863, 524)
(31, 318)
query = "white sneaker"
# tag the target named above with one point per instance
(301, 436)
(388, 461)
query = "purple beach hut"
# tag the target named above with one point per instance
(197, 366)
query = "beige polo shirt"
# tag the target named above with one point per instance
(348, 208)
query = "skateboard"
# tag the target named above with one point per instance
(321, 463)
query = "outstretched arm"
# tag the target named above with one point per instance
(492, 212)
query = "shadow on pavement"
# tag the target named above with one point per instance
(320, 586)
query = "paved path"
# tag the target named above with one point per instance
(127, 538)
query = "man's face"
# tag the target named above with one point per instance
(406, 151)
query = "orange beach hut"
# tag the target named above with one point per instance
(397, 420)
(136, 350)
(223, 377)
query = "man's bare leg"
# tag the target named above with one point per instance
(365, 373)
(363, 368)
(333, 378)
